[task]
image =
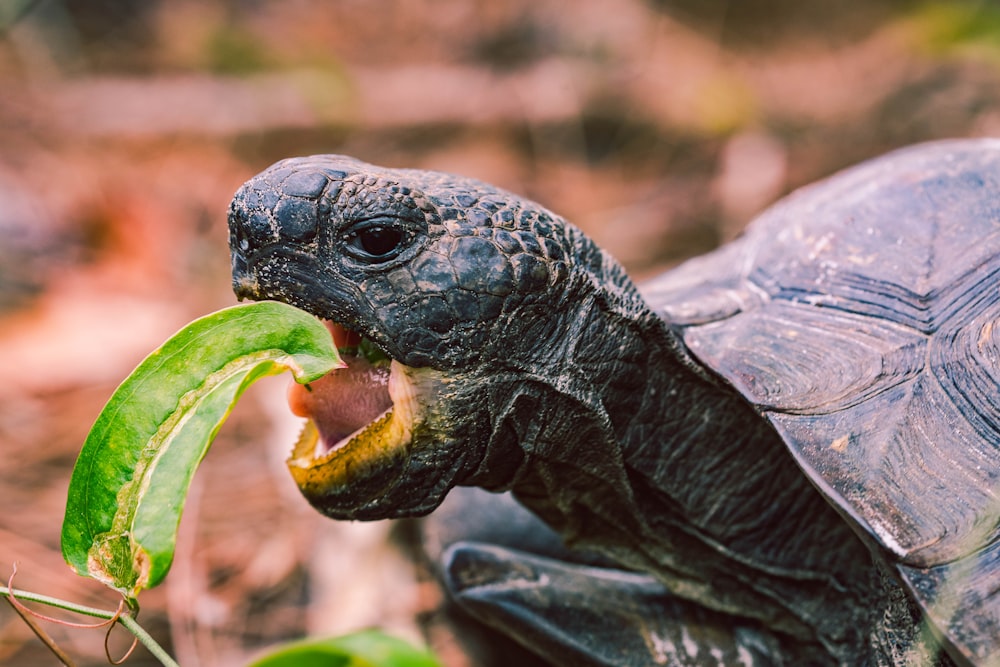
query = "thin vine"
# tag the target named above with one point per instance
(122, 615)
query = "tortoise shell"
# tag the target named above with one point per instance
(861, 316)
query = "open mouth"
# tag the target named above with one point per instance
(347, 400)
(360, 419)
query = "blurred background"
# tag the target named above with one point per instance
(659, 126)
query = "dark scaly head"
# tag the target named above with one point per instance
(484, 303)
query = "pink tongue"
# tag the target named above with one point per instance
(341, 336)
(346, 399)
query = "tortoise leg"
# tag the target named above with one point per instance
(573, 614)
(474, 515)
(583, 615)
(503, 568)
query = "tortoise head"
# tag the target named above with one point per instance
(482, 300)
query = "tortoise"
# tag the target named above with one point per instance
(782, 452)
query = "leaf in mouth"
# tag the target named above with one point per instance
(132, 476)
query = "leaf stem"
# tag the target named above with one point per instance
(125, 619)
(57, 603)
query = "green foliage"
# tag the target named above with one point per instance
(132, 475)
(963, 27)
(233, 51)
(370, 648)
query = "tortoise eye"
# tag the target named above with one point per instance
(380, 241)
(376, 241)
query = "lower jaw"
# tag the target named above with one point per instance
(358, 471)
(370, 461)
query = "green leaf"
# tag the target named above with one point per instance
(132, 476)
(369, 648)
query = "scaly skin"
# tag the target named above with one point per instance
(545, 373)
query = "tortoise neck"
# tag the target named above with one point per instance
(668, 470)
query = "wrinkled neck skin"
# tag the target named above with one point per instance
(632, 449)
